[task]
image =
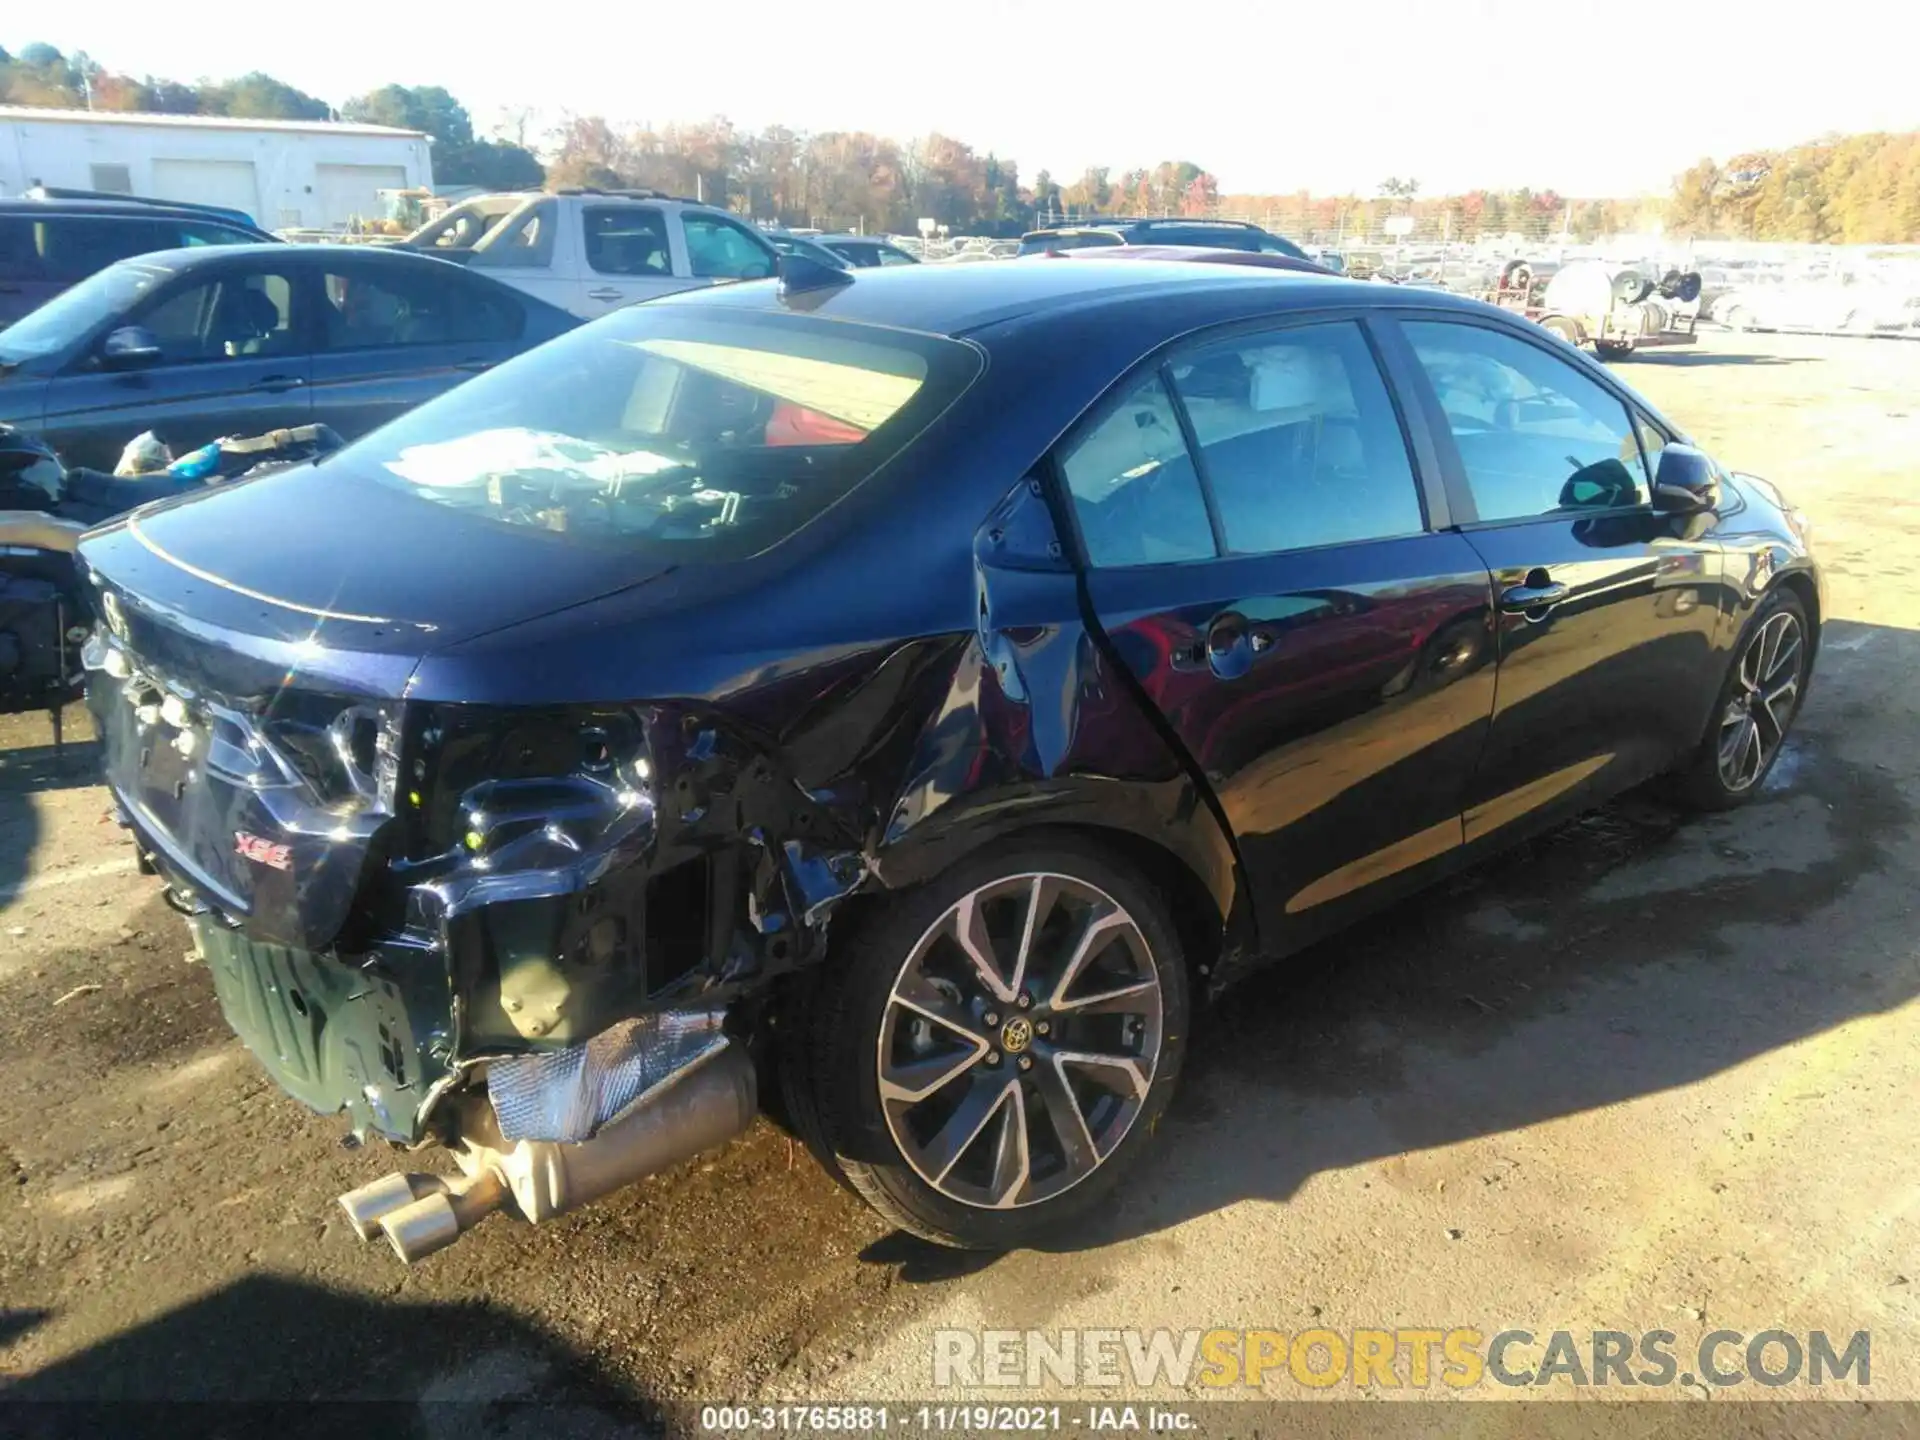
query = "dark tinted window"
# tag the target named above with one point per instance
(234, 317)
(1134, 486)
(626, 240)
(1298, 438)
(719, 249)
(1535, 435)
(19, 257)
(72, 247)
(191, 233)
(371, 309)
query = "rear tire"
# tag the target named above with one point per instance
(1612, 349)
(966, 1109)
(1755, 709)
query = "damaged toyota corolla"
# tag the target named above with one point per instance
(913, 690)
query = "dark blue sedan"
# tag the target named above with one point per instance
(237, 339)
(922, 685)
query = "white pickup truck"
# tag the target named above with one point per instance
(591, 251)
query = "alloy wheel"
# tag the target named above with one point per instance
(1766, 692)
(1020, 1040)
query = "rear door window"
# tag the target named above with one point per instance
(626, 240)
(72, 247)
(1299, 440)
(19, 256)
(369, 309)
(1136, 493)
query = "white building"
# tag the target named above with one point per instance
(285, 174)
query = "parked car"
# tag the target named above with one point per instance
(237, 339)
(1175, 230)
(1818, 306)
(591, 251)
(53, 241)
(930, 682)
(864, 252)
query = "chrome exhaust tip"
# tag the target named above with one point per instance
(433, 1222)
(369, 1203)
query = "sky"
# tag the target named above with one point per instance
(1588, 98)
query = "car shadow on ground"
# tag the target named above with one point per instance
(1634, 950)
(270, 1354)
(30, 765)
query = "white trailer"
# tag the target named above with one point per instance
(284, 174)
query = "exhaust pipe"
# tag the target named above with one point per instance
(540, 1179)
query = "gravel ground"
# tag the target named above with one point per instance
(1643, 1074)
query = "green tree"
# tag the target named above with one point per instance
(259, 96)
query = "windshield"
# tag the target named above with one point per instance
(75, 311)
(714, 432)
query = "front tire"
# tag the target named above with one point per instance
(1756, 707)
(986, 1056)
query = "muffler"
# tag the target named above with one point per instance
(539, 1179)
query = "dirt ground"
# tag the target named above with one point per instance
(1644, 1074)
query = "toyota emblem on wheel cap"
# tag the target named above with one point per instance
(1016, 1035)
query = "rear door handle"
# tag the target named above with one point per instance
(1539, 594)
(607, 294)
(276, 383)
(474, 367)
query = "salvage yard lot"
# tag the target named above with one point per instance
(1643, 1074)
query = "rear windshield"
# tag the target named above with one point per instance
(714, 433)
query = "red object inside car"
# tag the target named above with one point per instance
(792, 424)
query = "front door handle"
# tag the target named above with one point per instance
(274, 384)
(474, 367)
(1536, 595)
(606, 293)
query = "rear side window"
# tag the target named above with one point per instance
(1298, 439)
(367, 310)
(1135, 490)
(19, 257)
(626, 240)
(1535, 435)
(72, 247)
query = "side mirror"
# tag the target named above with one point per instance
(131, 347)
(1685, 482)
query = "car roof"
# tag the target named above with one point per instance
(958, 299)
(282, 254)
(1206, 254)
(131, 209)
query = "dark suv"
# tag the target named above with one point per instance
(1170, 230)
(48, 244)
